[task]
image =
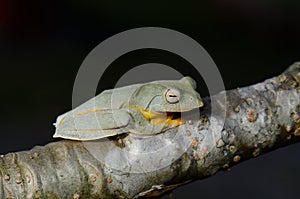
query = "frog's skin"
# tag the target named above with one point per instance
(144, 109)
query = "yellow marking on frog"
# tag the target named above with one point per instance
(158, 117)
(61, 120)
(167, 120)
(90, 111)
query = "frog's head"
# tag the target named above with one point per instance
(168, 96)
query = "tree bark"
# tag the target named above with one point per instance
(256, 119)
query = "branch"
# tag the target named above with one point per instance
(259, 118)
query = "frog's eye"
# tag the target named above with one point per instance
(172, 96)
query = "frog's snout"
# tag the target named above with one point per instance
(200, 103)
(197, 99)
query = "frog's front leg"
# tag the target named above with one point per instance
(141, 125)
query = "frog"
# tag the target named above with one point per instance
(144, 109)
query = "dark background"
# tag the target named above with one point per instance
(42, 44)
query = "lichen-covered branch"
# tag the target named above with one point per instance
(257, 119)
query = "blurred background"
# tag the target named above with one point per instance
(43, 43)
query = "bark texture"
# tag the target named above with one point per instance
(250, 121)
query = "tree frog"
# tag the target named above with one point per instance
(143, 109)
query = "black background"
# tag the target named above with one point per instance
(42, 44)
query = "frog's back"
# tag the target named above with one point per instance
(115, 98)
(109, 99)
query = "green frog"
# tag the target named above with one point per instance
(142, 109)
